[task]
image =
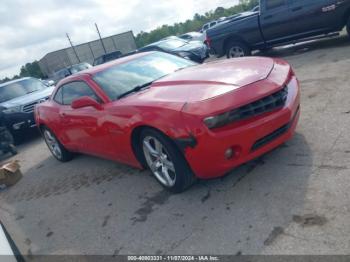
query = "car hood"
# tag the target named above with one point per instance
(29, 98)
(189, 46)
(207, 81)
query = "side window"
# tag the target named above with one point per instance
(58, 96)
(272, 4)
(74, 90)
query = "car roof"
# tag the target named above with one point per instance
(15, 81)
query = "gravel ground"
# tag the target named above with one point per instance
(294, 200)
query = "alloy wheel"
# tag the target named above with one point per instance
(53, 144)
(236, 51)
(159, 161)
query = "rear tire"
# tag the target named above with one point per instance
(236, 49)
(55, 146)
(165, 161)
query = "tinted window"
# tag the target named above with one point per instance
(75, 90)
(212, 24)
(271, 4)
(121, 78)
(58, 97)
(20, 88)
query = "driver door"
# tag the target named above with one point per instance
(84, 127)
(275, 21)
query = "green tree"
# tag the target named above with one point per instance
(194, 24)
(31, 69)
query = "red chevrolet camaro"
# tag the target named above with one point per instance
(177, 118)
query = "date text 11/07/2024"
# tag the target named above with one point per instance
(173, 258)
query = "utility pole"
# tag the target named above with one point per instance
(98, 31)
(71, 44)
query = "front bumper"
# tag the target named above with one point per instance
(253, 138)
(19, 121)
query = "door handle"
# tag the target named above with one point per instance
(297, 8)
(62, 114)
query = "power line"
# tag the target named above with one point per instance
(71, 44)
(98, 31)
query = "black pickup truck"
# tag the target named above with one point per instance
(278, 22)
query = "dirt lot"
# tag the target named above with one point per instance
(294, 200)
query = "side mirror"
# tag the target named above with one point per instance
(85, 101)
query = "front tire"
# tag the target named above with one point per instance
(55, 146)
(165, 161)
(236, 49)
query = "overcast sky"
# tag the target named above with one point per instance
(31, 28)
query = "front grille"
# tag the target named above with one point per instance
(274, 135)
(264, 105)
(29, 108)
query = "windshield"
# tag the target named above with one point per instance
(171, 44)
(122, 78)
(20, 88)
(79, 67)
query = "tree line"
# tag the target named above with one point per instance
(144, 38)
(29, 69)
(194, 24)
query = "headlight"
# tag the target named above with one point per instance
(11, 110)
(221, 120)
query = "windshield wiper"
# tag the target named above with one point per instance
(135, 89)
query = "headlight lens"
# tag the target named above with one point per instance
(222, 119)
(217, 121)
(11, 110)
